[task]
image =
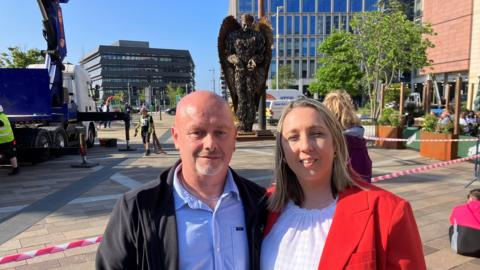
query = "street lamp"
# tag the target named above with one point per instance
(213, 78)
(277, 37)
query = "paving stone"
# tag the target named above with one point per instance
(445, 259)
(46, 265)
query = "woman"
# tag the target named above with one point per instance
(340, 103)
(323, 216)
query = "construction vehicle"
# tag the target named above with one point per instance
(50, 105)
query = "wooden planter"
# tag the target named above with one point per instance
(389, 132)
(438, 150)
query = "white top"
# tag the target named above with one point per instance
(297, 239)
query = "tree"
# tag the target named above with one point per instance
(16, 58)
(387, 45)
(180, 91)
(339, 67)
(286, 77)
(172, 95)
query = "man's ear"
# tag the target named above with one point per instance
(174, 133)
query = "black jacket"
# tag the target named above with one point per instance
(142, 230)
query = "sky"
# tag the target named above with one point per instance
(176, 24)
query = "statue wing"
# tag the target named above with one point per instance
(265, 29)
(228, 26)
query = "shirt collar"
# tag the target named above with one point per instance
(183, 197)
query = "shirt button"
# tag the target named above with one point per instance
(218, 249)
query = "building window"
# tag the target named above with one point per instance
(296, 47)
(355, 6)
(275, 4)
(245, 6)
(324, 6)
(312, 25)
(289, 47)
(281, 25)
(370, 5)
(328, 25)
(293, 5)
(312, 47)
(289, 25)
(281, 48)
(304, 69)
(312, 68)
(297, 25)
(308, 6)
(320, 23)
(304, 25)
(296, 68)
(335, 23)
(304, 47)
(343, 24)
(340, 6)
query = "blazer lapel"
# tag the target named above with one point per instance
(349, 222)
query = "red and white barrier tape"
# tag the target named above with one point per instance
(50, 250)
(422, 169)
(417, 140)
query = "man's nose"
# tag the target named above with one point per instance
(209, 142)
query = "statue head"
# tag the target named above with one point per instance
(247, 21)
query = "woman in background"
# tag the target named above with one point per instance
(341, 105)
(323, 216)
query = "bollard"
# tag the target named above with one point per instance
(83, 155)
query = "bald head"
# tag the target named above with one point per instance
(202, 103)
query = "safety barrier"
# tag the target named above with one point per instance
(370, 138)
(422, 169)
(49, 250)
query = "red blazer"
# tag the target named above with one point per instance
(371, 229)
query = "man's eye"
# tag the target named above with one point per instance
(292, 138)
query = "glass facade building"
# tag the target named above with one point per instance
(302, 27)
(133, 66)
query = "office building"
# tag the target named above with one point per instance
(132, 66)
(457, 43)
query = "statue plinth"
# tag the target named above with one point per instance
(256, 135)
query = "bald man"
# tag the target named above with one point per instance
(199, 214)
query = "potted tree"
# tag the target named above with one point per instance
(432, 130)
(389, 126)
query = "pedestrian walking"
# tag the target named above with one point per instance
(7, 142)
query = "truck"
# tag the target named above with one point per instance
(277, 100)
(51, 105)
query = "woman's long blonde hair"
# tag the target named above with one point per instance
(287, 185)
(340, 104)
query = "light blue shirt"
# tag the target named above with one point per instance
(210, 239)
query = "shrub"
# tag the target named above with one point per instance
(430, 123)
(389, 117)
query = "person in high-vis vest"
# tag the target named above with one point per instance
(145, 123)
(7, 142)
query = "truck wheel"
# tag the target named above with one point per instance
(90, 136)
(60, 141)
(42, 145)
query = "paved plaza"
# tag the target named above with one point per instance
(51, 203)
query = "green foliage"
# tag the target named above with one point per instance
(16, 58)
(447, 128)
(286, 77)
(389, 117)
(392, 93)
(172, 95)
(430, 123)
(339, 68)
(388, 44)
(180, 91)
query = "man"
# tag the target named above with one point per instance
(199, 214)
(464, 231)
(7, 142)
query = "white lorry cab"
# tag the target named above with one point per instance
(277, 100)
